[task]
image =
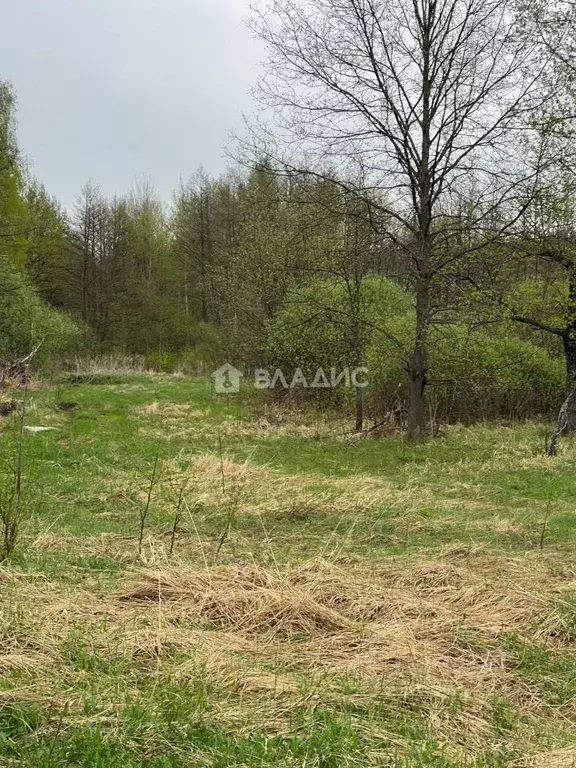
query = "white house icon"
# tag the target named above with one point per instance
(227, 380)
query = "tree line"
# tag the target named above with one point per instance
(424, 147)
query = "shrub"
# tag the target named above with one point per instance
(26, 321)
(161, 362)
(314, 329)
(473, 375)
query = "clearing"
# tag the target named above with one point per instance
(327, 602)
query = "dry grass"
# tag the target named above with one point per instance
(266, 420)
(257, 490)
(354, 620)
(217, 482)
(245, 600)
(387, 642)
(379, 609)
(31, 663)
(171, 412)
(261, 490)
(556, 758)
(282, 640)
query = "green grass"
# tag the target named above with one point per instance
(450, 565)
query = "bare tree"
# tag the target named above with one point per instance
(194, 233)
(420, 99)
(88, 220)
(552, 23)
(550, 243)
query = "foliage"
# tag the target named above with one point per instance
(27, 322)
(473, 374)
(12, 207)
(47, 243)
(259, 268)
(313, 328)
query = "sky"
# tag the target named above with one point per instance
(116, 90)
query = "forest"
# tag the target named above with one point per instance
(434, 247)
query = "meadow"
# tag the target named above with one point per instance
(203, 581)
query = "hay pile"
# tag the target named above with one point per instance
(427, 602)
(246, 599)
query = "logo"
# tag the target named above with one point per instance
(227, 380)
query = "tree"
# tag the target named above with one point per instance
(547, 303)
(148, 269)
(47, 243)
(262, 260)
(417, 98)
(193, 229)
(335, 242)
(549, 240)
(12, 207)
(93, 271)
(27, 323)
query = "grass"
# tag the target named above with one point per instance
(328, 602)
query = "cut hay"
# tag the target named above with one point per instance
(244, 599)
(556, 758)
(428, 577)
(393, 612)
(29, 663)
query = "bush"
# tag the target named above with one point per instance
(473, 375)
(161, 362)
(26, 321)
(313, 329)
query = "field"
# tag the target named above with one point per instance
(301, 598)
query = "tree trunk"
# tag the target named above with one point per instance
(359, 409)
(566, 419)
(417, 365)
(416, 388)
(354, 288)
(570, 356)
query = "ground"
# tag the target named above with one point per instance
(301, 598)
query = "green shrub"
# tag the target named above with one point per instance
(26, 321)
(473, 374)
(161, 362)
(313, 329)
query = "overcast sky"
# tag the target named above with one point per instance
(111, 90)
